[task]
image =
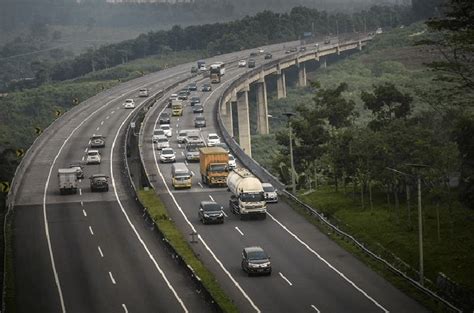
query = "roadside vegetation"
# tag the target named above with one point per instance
(159, 214)
(373, 123)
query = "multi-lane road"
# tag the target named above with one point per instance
(94, 252)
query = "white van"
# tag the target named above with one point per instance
(181, 176)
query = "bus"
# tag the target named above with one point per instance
(217, 70)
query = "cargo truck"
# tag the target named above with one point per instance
(248, 198)
(214, 165)
(177, 107)
(67, 178)
(216, 71)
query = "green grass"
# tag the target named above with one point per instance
(159, 214)
(387, 227)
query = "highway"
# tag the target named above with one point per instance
(94, 252)
(310, 272)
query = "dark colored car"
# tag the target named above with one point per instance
(302, 49)
(97, 141)
(200, 121)
(99, 182)
(164, 118)
(198, 108)
(253, 54)
(268, 56)
(195, 100)
(210, 212)
(294, 49)
(183, 95)
(327, 41)
(251, 63)
(192, 87)
(206, 87)
(256, 261)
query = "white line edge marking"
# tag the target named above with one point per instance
(210, 197)
(285, 279)
(45, 216)
(84, 212)
(124, 308)
(83, 158)
(112, 112)
(328, 264)
(112, 278)
(107, 117)
(194, 230)
(315, 308)
(237, 229)
(100, 251)
(132, 226)
(91, 231)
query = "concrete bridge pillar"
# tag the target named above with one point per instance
(301, 75)
(262, 107)
(323, 63)
(281, 85)
(244, 121)
(227, 117)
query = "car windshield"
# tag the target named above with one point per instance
(158, 132)
(165, 127)
(192, 148)
(252, 197)
(213, 137)
(129, 101)
(182, 133)
(211, 207)
(168, 152)
(256, 255)
(162, 140)
(231, 158)
(200, 118)
(268, 189)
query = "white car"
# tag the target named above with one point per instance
(242, 63)
(129, 104)
(93, 157)
(232, 163)
(167, 130)
(182, 135)
(261, 51)
(143, 92)
(213, 139)
(162, 142)
(167, 155)
(157, 133)
(270, 193)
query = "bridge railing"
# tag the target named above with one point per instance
(266, 176)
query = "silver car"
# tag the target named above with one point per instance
(270, 193)
(162, 142)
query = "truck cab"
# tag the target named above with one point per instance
(214, 165)
(247, 197)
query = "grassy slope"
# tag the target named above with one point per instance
(391, 58)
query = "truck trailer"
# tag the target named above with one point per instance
(67, 178)
(247, 197)
(214, 165)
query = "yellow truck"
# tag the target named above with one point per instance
(177, 107)
(214, 165)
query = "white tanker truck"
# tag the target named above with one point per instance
(247, 194)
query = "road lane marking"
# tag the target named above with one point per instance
(84, 212)
(97, 128)
(91, 231)
(124, 308)
(107, 117)
(236, 228)
(112, 278)
(192, 173)
(132, 226)
(327, 263)
(186, 162)
(100, 251)
(315, 308)
(200, 185)
(82, 203)
(86, 148)
(179, 146)
(112, 112)
(102, 123)
(82, 158)
(80, 191)
(285, 279)
(182, 153)
(225, 214)
(212, 199)
(204, 243)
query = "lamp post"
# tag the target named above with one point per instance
(293, 178)
(420, 216)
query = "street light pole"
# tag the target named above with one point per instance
(293, 178)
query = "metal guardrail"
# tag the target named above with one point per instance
(264, 175)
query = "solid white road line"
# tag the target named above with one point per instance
(91, 231)
(84, 212)
(236, 228)
(315, 308)
(112, 278)
(236, 284)
(328, 264)
(132, 226)
(100, 251)
(124, 308)
(285, 279)
(212, 199)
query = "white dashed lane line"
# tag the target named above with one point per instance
(112, 112)
(285, 279)
(112, 278)
(200, 185)
(100, 251)
(210, 197)
(84, 212)
(237, 229)
(91, 231)
(124, 308)
(315, 308)
(102, 123)
(80, 191)
(107, 117)
(97, 128)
